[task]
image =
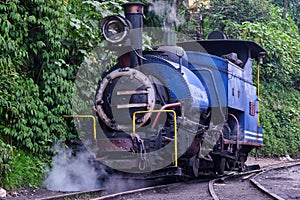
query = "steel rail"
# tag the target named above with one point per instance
(212, 190)
(130, 192)
(229, 175)
(74, 195)
(270, 168)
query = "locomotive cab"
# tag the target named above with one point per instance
(229, 63)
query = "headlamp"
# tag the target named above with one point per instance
(115, 28)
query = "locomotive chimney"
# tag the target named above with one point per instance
(134, 13)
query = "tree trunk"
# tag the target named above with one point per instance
(285, 7)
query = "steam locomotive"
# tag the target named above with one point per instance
(180, 109)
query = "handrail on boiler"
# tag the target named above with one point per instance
(175, 128)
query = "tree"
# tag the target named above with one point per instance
(290, 6)
(222, 12)
(42, 46)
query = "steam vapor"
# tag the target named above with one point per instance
(72, 173)
(166, 10)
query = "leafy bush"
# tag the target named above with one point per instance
(220, 14)
(25, 118)
(280, 39)
(35, 80)
(278, 111)
(43, 44)
(22, 113)
(5, 156)
(292, 7)
(26, 171)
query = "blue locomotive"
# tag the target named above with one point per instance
(180, 109)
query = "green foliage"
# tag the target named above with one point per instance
(20, 111)
(28, 114)
(26, 171)
(217, 15)
(42, 46)
(280, 39)
(278, 111)
(191, 20)
(222, 13)
(13, 29)
(5, 156)
(292, 7)
(25, 118)
(35, 79)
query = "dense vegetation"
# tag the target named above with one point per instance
(43, 44)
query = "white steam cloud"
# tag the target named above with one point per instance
(72, 173)
(166, 10)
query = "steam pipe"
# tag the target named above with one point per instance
(163, 108)
(237, 131)
(134, 13)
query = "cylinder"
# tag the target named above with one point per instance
(134, 13)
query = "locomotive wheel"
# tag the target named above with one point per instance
(230, 165)
(219, 165)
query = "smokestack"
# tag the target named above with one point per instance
(134, 13)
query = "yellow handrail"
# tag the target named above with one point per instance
(258, 90)
(175, 128)
(84, 116)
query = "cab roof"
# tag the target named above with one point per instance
(244, 49)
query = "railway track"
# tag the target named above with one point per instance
(194, 189)
(281, 182)
(254, 184)
(233, 185)
(75, 195)
(268, 183)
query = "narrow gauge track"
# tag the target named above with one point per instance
(280, 182)
(194, 189)
(236, 186)
(254, 184)
(88, 194)
(233, 185)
